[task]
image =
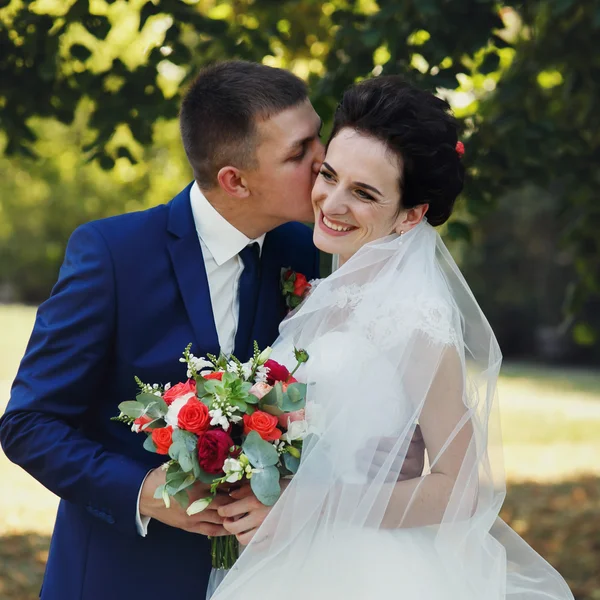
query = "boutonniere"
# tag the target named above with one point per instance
(294, 287)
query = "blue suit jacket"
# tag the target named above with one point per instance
(131, 294)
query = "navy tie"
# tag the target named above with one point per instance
(248, 298)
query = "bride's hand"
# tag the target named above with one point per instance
(411, 468)
(246, 513)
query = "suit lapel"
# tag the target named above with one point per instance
(190, 272)
(271, 306)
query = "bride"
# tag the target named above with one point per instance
(396, 340)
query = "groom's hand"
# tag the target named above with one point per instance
(246, 513)
(411, 468)
(208, 522)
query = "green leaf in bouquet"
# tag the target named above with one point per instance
(294, 398)
(197, 471)
(132, 409)
(149, 444)
(274, 397)
(155, 406)
(198, 506)
(291, 462)
(156, 424)
(239, 403)
(182, 499)
(185, 460)
(251, 399)
(200, 389)
(186, 438)
(265, 485)
(273, 410)
(158, 492)
(260, 453)
(208, 478)
(229, 378)
(180, 483)
(211, 386)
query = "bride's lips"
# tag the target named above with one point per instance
(333, 232)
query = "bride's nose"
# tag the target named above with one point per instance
(334, 204)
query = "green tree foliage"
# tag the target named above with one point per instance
(521, 76)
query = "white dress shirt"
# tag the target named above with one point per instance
(221, 244)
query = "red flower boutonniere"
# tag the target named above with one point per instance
(294, 287)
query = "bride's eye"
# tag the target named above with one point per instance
(327, 176)
(364, 196)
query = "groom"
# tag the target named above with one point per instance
(133, 291)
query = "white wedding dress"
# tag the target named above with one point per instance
(395, 339)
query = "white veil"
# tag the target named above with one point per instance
(395, 339)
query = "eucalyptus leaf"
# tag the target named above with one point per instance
(174, 450)
(273, 410)
(182, 499)
(132, 409)
(158, 492)
(260, 453)
(149, 444)
(205, 477)
(186, 438)
(185, 460)
(146, 399)
(274, 397)
(265, 485)
(291, 462)
(294, 398)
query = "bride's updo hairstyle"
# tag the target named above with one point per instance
(417, 127)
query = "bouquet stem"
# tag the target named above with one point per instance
(225, 551)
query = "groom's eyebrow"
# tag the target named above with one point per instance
(357, 183)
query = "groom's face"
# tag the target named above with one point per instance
(289, 155)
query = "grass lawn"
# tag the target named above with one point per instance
(551, 432)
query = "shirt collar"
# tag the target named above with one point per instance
(221, 238)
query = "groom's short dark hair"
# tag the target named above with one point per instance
(220, 109)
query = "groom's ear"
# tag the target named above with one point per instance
(232, 181)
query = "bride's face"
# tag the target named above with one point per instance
(356, 196)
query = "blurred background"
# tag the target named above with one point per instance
(89, 95)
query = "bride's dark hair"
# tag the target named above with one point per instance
(416, 126)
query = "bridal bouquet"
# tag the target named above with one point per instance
(230, 421)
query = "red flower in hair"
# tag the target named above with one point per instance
(460, 149)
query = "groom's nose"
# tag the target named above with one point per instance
(319, 156)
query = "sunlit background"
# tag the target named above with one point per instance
(89, 93)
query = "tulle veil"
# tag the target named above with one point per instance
(395, 339)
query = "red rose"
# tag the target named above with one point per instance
(213, 448)
(162, 438)
(277, 372)
(178, 390)
(300, 285)
(194, 416)
(264, 424)
(139, 423)
(217, 375)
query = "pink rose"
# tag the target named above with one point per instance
(180, 389)
(260, 390)
(297, 415)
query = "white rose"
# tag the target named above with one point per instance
(297, 430)
(172, 415)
